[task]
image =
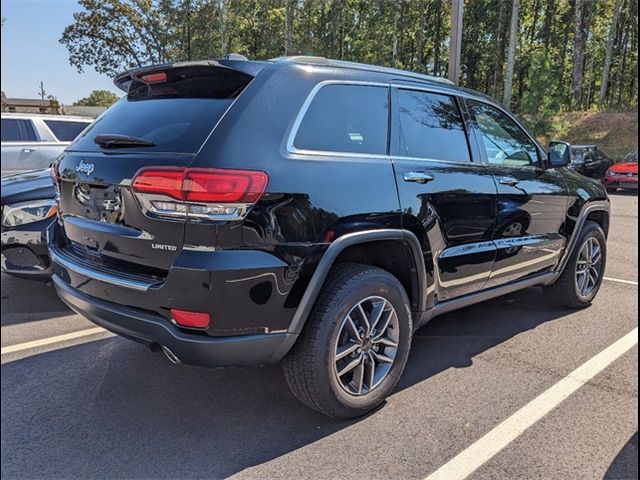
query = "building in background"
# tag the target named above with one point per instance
(29, 105)
(81, 110)
(36, 105)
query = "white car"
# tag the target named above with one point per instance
(31, 141)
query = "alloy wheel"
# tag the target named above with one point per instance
(366, 346)
(589, 266)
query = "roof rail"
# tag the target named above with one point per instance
(235, 56)
(310, 60)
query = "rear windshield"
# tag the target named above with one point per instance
(176, 115)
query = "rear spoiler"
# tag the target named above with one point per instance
(244, 67)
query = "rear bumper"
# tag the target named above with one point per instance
(192, 349)
(245, 292)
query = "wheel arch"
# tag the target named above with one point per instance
(597, 211)
(349, 248)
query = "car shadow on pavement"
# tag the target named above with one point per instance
(625, 465)
(29, 300)
(111, 408)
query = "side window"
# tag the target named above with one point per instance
(10, 130)
(66, 131)
(346, 118)
(14, 130)
(430, 126)
(28, 133)
(504, 141)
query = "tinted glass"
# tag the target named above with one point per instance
(66, 131)
(430, 126)
(28, 133)
(10, 130)
(172, 124)
(176, 111)
(346, 118)
(504, 141)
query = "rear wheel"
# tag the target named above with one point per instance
(355, 344)
(581, 279)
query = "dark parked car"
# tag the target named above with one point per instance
(28, 208)
(314, 212)
(589, 161)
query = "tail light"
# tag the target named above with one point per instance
(158, 77)
(199, 193)
(55, 172)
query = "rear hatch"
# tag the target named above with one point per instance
(162, 122)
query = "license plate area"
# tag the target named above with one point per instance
(99, 202)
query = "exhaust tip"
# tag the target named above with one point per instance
(170, 355)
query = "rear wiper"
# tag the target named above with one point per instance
(108, 140)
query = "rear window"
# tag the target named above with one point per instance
(66, 131)
(176, 113)
(346, 118)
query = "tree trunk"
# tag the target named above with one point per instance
(437, 42)
(500, 46)
(579, 40)
(288, 27)
(222, 8)
(609, 53)
(511, 58)
(421, 27)
(394, 44)
(547, 29)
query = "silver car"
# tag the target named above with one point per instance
(31, 141)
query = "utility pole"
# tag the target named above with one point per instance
(455, 46)
(42, 93)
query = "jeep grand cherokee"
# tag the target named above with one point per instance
(315, 213)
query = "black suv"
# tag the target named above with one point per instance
(312, 212)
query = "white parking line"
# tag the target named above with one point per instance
(470, 459)
(52, 340)
(619, 280)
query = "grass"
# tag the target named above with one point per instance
(615, 133)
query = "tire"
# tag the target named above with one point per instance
(611, 189)
(311, 369)
(566, 291)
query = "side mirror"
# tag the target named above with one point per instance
(559, 154)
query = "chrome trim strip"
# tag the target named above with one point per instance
(293, 131)
(138, 285)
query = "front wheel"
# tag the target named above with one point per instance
(355, 345)
(582, 277)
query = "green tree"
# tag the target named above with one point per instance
(562, 47)
(98, 98)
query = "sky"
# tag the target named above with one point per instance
(31, 52)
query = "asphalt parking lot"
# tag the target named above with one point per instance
(90, 405)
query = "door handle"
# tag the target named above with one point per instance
(417, 177)
(28, 150)
(508, 181)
